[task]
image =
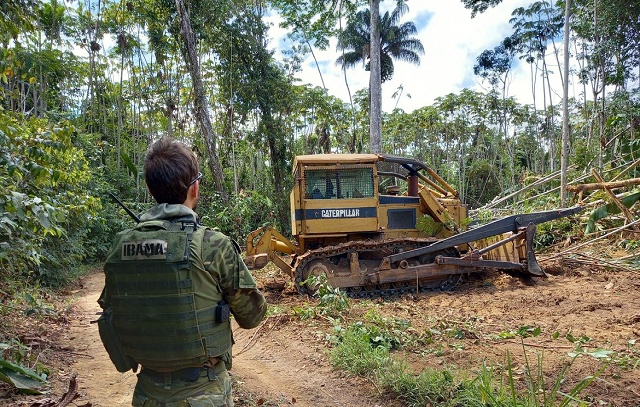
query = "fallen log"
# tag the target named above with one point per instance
(610, 185)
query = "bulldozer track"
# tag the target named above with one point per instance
(373, 291)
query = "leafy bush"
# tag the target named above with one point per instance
(483, 183)
(356, 353)
(20, 365)
(44, 203)
(23, 378)
(333, 303)
(550, 233)
(245, 213)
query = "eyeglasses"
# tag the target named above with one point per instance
(197, 178)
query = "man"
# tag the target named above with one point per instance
(170, 287)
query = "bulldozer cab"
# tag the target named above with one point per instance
(334, 195)
(339, 197)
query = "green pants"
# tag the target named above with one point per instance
(211, 389)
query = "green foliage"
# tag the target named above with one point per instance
(36, 79)
(630, 359)
(484, 216)
(44, 205)
(332, 302)
(429, 226)
(479, 6)
(609, 209)
(16, 16)
(542, 393)
(393, 333)
(377, 335)
(363, 349)
(483, 183)
(428, 387)
(396, 39)
(22, 378)
(555, 231)
(356, 353)
(36, 306)
(494, 65)
(20, 364)
(316, 20)
(488, 389)
(108, 221)
(584, 156)
(27, 297)
(244, 213)
(629, 244)
(15, 361)
(522, 332)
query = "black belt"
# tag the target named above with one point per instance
(189, 374)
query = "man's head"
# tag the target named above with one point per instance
(170, 170)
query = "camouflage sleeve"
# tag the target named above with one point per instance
(245, 300)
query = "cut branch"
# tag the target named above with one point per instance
(614, 198)
(610, 185)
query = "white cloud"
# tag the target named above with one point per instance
(452, 41)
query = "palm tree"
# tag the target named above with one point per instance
(396, 41)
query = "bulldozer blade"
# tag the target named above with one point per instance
(497, 227)
(533, 267)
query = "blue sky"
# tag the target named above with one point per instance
(452, 42)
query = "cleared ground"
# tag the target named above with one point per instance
(284, 361)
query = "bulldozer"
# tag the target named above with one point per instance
(383, 224)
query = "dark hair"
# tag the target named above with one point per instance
(169, 168)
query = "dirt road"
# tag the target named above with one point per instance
(274, 370)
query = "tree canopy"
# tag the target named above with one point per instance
(396, 41)
(84, 89)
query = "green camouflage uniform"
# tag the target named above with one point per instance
(216, 267)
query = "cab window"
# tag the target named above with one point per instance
(343, 183)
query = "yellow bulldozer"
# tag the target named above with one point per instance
(377, 223)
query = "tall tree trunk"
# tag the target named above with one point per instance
(538, 162)
(552, 122)
(119, 128)
(601, 77)
(202, 113)
(546, 113)
(565, 107)
(375, 85)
